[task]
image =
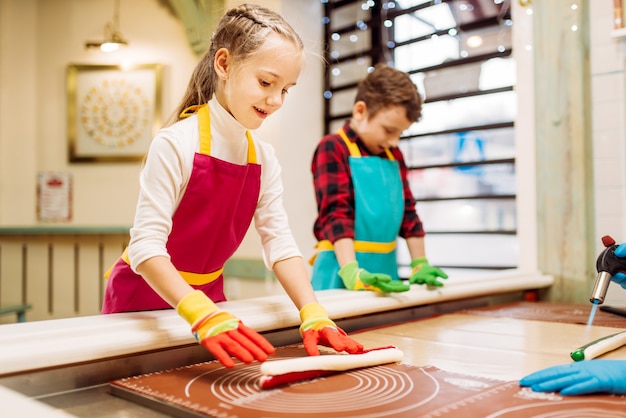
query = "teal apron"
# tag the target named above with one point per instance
(379, 209)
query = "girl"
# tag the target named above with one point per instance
(205, 178)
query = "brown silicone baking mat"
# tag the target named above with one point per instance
(553, 312)
(394, 390)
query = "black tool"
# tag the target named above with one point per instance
(614, 310)
(607, 265)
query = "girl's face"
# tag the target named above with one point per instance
(381, 131)
(255, 88)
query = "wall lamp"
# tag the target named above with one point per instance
(113, 38)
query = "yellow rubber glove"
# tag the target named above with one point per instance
(220, 332)
(424, 273)
(355, 278)
(317, 328)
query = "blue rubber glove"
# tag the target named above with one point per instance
(580, 378)
(424, 273)
(355, 278)
(619, 277)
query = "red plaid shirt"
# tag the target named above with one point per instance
(335, 193)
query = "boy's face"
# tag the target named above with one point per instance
(381, 131)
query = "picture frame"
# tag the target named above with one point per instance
(113, 111)
(619, 15)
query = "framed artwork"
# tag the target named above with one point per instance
(618, 14)
(113, 111)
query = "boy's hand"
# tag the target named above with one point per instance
(355, 278)
(424, 273)
(220, 332)
(317, 328)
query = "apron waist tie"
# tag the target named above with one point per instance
(197, 279)
(359, 247)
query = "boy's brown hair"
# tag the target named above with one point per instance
(385, 87)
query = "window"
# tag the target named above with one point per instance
(461, 155)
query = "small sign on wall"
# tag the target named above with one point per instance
(54, 196)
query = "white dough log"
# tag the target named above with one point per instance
(337, 362)
(598, 347)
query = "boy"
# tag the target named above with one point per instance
(363, 197)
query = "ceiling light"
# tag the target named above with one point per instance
(113, 38)
(474, 41)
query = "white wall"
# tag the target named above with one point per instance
(525, 170)
(18, 107)
(33, 134)
(33, 106)
(51, 35)
(302, 124)
(609, 129)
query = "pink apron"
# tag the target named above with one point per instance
(207, 228)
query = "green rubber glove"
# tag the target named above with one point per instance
(424, 273)
(355, 278)
(220, 332)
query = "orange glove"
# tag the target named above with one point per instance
(317, 328)
(220, 332)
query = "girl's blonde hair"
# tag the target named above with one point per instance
(242, 31)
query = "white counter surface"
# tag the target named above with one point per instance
(55, 343)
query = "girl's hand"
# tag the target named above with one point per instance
(221, 333)
(317, 328)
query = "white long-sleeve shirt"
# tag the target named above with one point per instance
(166, 173)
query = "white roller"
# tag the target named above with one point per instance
(336, 362)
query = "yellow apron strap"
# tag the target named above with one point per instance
(354, 148)
(201, 278)
(191, 278)
(124, 257)
(361, 246)
(189, 111)
(204, 125)
(251, 149)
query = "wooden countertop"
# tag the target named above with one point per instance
(494, 347)
(58, 343)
